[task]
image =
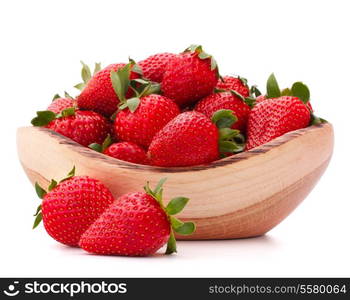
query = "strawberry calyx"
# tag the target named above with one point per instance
(174, 206)
(57, 96)
(86, 74)
(230, 140)
(41, 193)
(121, 83)
(102, 147)
(44, 117)
(204, 55)
(314, 120)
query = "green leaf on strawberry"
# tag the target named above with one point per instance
(56, 96)
(86, 74)
(69, 175)
(37, 220)
(102, 147)
(43, 118)
(97, 68)
(120, 81)
(174, 206)
(70, 111)
(186, 229)
(272, 88)
(224, 118)
(230, 140)
(301, 91)
(52, 185)
(286, 92)
(39, 191)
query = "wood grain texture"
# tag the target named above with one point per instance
(240, 196)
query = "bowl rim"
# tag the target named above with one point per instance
(89, 153)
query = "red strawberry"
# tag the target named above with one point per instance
(84, 127)
(71, 206)
(151, 115)
(127, 151)
(274, 117)
(192, 139)
(58, 104)
(237, 84)
(98, 93)
(189, 139)
(225, 100)
(260, 98)
(137, 224)
(190, 76)
(154, 66)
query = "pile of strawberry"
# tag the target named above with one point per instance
(80, 211)
(175, 110)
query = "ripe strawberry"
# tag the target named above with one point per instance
(83, 127)
(237, 84)
(154, 66)
(137, 224)
(226, 100)
(139, 126)
(71, 206)
(274, 117)
(140, 118)
(190, 76)
(192, 139)
(189, 139)
(260, 98)
(98, 93)
(127, 151)
(59, 103)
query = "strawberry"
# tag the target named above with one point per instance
(127, 151)
(137, 224)
(61, 103)
(192, 139)
(238, 84)
(190, 76)
(97, 91)
(83, 127)
(226, 100)
(141, 117)
(274, 117)
(152, 114)
(71, 206)
(154, 66)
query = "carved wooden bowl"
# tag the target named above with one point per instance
(244, 195)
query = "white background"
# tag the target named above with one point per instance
(42, 43)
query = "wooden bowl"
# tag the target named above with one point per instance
(241, 196)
